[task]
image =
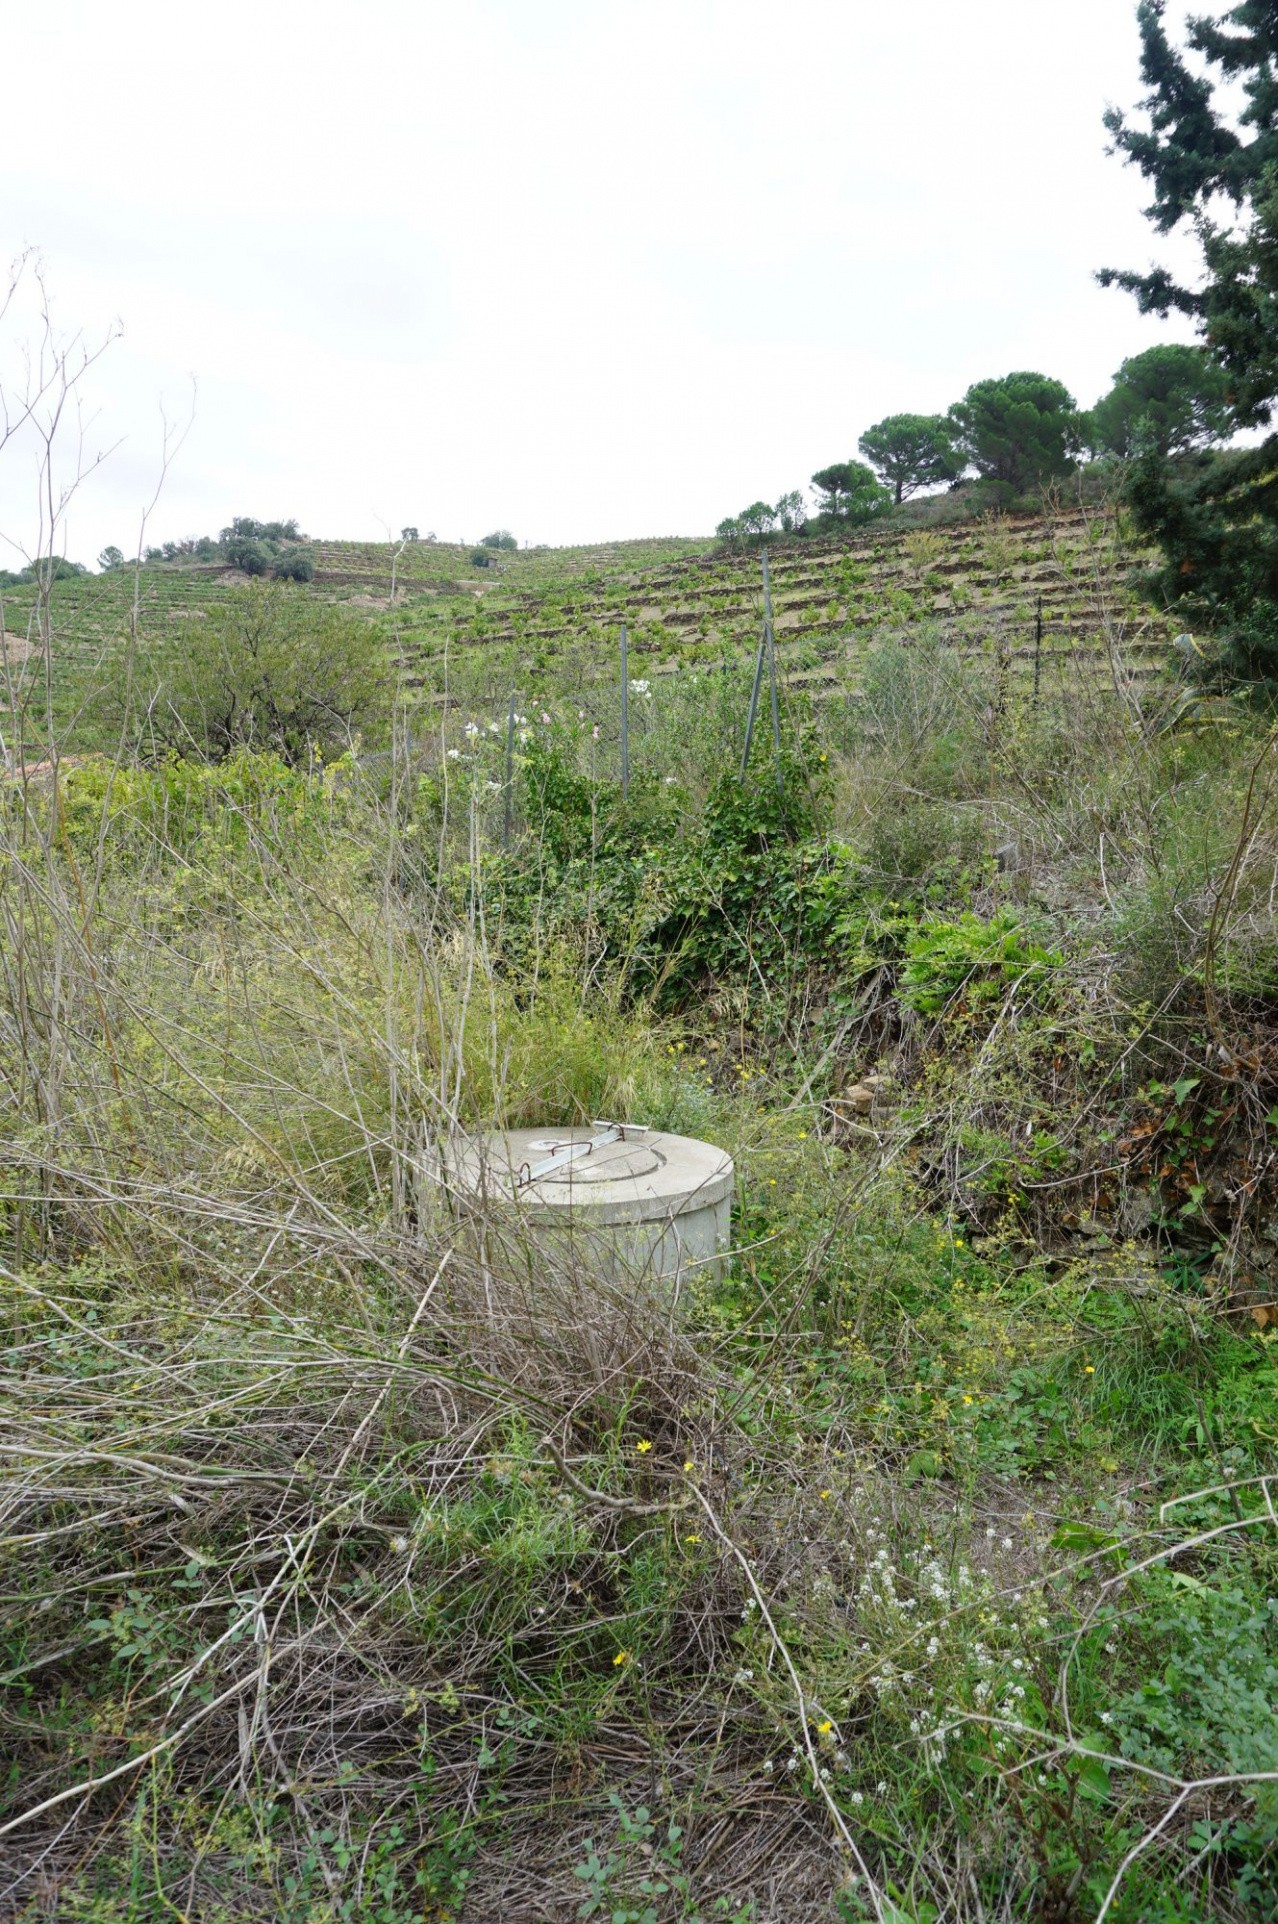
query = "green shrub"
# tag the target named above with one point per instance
(295, 564)
(269, 669)
(246, 554)
(982, 957)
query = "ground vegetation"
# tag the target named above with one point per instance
(920, 1567)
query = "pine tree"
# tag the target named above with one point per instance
(1170, 398)
(912, 451)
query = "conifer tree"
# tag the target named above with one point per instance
(912, 451)
(1214, 165)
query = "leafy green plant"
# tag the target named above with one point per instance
(981, 957)
(640, 1879)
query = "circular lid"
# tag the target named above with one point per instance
(630, 1177)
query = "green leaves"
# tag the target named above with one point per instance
(1093, 1778)
(982, 956)
(1083, 1539)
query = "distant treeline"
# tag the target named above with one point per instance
(47, 569)
(276, 548)
(1010, 435)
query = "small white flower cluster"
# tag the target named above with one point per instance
(643, 689)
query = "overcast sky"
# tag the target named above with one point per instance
(579, 268)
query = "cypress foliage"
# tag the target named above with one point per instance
(1215, 514)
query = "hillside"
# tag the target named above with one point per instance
(977, 587)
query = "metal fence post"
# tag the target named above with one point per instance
(510, 771)
(1038, 647)
(770, 640)
(753, 710)
(625, 716)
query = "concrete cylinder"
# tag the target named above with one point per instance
(641, 1205)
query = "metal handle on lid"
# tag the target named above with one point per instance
(567, 1152)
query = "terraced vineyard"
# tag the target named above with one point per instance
(978, 586)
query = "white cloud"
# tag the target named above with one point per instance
(578, 267)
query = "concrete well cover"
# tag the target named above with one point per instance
(635, 1180)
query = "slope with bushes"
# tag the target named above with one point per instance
(921, 1567)
(981, 586)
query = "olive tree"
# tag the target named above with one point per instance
(268, 669)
